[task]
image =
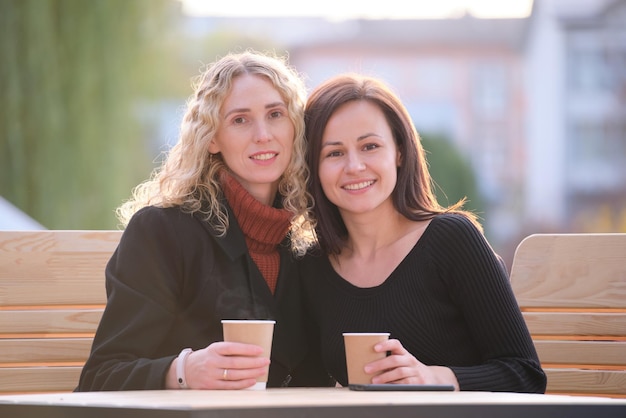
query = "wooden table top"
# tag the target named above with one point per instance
(324, 402)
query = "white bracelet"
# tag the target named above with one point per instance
(180, 368)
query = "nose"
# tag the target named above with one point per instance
(354, 163)
(261, 132)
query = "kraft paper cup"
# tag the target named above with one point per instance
(251, 331)
(359, 352)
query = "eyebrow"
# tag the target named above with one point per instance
(247, 109)
(359, 138)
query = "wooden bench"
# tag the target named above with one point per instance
(571, 289)
(52, 294)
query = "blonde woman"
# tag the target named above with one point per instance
(213, 235)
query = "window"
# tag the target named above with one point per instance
(489, 90)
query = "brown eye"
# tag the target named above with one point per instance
(334, 154)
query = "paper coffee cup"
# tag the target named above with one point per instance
(359, 352)
(251, 331)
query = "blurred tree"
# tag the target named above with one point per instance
(452, 174)
(72, 74)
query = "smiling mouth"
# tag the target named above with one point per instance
(358, 186)
(264, 156)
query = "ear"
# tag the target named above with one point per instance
(398, 159)
(214, 148)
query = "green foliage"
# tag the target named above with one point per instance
(453, 175)
(72, 74)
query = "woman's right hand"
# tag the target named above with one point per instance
(400, 366)
(221, 365)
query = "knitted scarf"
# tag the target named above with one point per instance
(264, 227)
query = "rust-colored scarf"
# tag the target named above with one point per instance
(264, 227)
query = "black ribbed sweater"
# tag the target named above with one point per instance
(449, 302)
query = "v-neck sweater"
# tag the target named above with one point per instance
(449, 302)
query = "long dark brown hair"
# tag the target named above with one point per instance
(413, 194)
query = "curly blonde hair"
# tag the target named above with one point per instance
(189, 175)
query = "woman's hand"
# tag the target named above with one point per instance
(401, 367)
(221, 365)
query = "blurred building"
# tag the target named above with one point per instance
(576, 115)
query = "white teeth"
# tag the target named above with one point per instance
(358, 186)
(265, 156)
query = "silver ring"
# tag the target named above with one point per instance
(225, 374)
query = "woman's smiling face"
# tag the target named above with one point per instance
(255, 135)
(359, 158)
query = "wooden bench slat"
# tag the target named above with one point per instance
(49, 294)
(61, 321)
(39, 379)
(57, 265)
(44, 350)
(561, 323)
(54, 267)
(69, 286)
(582, 352)
(89, 241)
(586, 381)
(589, 268)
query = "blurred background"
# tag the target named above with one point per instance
(521, 104)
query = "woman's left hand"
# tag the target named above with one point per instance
(402, 367)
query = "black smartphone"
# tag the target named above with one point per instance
(401, 387)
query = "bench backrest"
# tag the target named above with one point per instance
(572, 292)
(52, 295)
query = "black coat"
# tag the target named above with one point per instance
(170, 282)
